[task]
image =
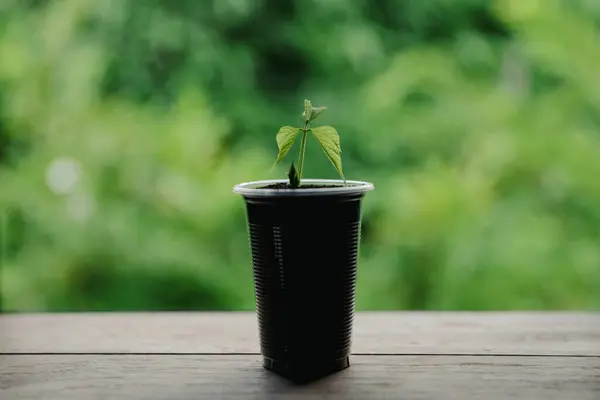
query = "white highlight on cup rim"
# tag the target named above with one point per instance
(256, 188)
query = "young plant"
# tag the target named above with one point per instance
(326, 136)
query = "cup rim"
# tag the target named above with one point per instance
(254, 188)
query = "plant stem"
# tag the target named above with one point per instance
(301, 156)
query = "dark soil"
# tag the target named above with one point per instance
(305, 186)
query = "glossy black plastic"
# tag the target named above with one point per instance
(304, 254)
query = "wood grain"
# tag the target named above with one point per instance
(527, 333)
(78, 377)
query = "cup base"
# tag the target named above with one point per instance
(306, 371)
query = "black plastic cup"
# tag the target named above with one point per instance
(304, 246)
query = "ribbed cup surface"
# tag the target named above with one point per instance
(304, 253)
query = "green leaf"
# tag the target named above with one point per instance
(285, 139)
(307, 110)
(293, 176)
(316, 111)
(329, 140)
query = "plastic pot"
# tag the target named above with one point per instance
(304, 245)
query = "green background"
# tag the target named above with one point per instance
(124, 125)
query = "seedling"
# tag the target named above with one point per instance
(326, 136)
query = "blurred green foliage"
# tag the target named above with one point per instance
(124, 125)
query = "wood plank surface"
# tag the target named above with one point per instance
(527, 333)
(66, 377)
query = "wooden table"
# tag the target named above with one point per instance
(396, 355)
